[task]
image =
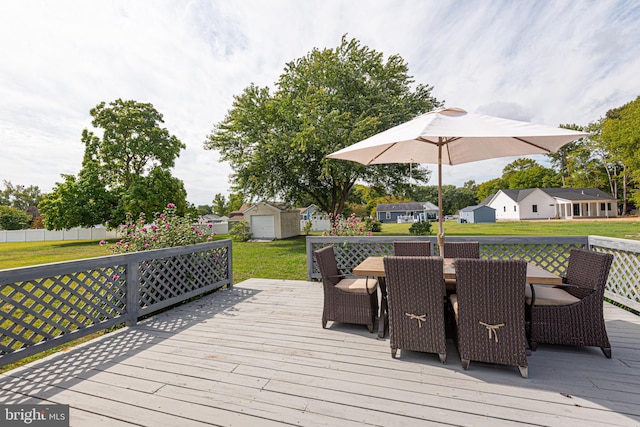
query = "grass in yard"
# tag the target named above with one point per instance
(20, 254)
(280, 259)
(624, 229)
(286, 259)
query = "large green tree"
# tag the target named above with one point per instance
(126, 169)
(620, 138)
(219, 205)
(527, 173)
(13, 219)
(277, 141)
(569, 158)
(20, 196)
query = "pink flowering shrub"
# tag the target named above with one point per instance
(348, 226)
(165, 231)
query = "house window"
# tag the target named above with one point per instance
(609, 206)
(515, 208)
(534, 208)
(388, 215)
(576, 209)
(504, 209)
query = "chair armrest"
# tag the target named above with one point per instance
(574, 286)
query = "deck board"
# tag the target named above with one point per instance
(257, 355)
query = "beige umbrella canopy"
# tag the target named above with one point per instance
(452, 136)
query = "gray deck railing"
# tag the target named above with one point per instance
(551, 253)
(47, 305)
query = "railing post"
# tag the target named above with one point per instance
(133, 292)
(230, 263)
(309, 251)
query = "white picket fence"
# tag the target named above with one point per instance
(40, 235)
(316, 224)
(81, 233)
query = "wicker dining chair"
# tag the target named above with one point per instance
(411, 248)
(461, 250)
(346, 299)
(415, 294)
(572, 313)
(489, 309)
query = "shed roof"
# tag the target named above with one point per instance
(475, 207)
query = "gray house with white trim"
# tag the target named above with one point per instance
(406, 212)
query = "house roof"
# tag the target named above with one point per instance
(474, 207)
(428, 206)
(275, 205)
(239, 214)
(409, 206)
(578, 193)
(560, 193)
(311, 207)
(243, 208)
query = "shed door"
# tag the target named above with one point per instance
(263, 226)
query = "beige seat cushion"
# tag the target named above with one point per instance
(358, 285)
(547, 295)
(453, 298)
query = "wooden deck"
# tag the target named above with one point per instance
(257, 355)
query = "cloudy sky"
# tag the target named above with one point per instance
(549, 62)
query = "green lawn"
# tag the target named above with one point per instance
(33, 253)
(286, 259)
(623, 229)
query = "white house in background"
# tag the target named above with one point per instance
(546, 203)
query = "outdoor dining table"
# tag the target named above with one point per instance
(374, 266)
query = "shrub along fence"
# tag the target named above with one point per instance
(551, 253)
(47, 305)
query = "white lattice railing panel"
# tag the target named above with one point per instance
(45, 308)
(623, 285)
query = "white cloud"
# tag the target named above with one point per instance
(547, 62)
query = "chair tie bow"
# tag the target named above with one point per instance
(420, 319)
(493, 329)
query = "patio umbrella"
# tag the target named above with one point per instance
(453, 136)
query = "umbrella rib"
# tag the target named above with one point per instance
(378, 155)
(532, 144)
(444, 142)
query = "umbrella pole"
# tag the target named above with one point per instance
(440, 230)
